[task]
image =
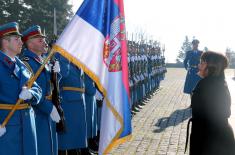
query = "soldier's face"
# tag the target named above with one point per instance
(195, 46)
(13, 44)
(38, 45)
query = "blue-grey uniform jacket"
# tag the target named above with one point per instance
(191, 61)
(20, 136)
(46, 131)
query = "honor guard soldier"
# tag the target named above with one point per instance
(91, 113)
(131, 71)
(191, 62)
(18, 137)
(46, 113)
(130, 76)
(99, 101)
(74, 140)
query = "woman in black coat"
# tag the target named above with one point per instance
(211, 133)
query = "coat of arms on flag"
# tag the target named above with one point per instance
(112, 46)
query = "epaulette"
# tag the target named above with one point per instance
(25, 59)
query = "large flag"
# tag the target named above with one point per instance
(95, 40)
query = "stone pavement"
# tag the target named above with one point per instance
(160, 126)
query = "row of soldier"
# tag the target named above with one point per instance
(147, 68)
(32, 129)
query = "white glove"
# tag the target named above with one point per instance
(55, 115)
(2, 131)
(56, 67)
(25, 94)
(98, 96)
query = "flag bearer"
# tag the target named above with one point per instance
(18, 137)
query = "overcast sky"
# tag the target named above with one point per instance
(169, 21)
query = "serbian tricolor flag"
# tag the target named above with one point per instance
(95, 40)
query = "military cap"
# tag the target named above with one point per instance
(9, 29)
(32, 32)
(195, 41)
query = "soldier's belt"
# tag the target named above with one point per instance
(194, 66)
(49, 97)
(10, 106)
(82, 90)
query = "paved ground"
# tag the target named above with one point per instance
(160, 126)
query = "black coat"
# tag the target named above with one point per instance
(211, 133)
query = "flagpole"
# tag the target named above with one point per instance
(29, 84)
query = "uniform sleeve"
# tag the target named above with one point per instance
(38, 96)
(36, 91)
(44, 105)
(186, 60)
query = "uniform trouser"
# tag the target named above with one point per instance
(134, 95)
(140, 92)
(131, 93)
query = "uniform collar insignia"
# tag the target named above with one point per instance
(29, 54)
(8, 62)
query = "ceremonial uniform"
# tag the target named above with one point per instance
(99, 100)
(46, 128)
(91, 107)
(20, 136)
(73, 105)
(191, 62)
(149, 72)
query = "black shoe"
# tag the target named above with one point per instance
(142, 103)
(93, 151)
(93, 145)
(73, 152)
(134, 109)
(133, 113)
(62, 152)
(139, 106)
(85, 151)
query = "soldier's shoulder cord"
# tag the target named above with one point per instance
(25, 61)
